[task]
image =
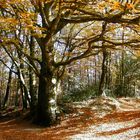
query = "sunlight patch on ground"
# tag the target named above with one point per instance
(96, 119)
(122, 126)
(94, 132)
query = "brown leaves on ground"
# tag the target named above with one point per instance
(122, 117)
(75, 123)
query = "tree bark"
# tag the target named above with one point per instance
(24, 91)
(17, 94)
(103, 74)
(47, 103)
(8, 87)
(32, 80)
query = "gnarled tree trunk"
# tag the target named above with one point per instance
(47, 104)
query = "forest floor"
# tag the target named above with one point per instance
(96, 119)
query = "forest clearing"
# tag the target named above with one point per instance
(116, 119)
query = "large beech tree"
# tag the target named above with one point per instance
(63, 33)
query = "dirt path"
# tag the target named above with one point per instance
(118, 126)
(103, 119)
(119, 120)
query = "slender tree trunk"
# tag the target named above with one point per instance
(68, 80)
(17, 93)
(24, 91)
(122, 74)
(32, 80)
(8, 86)
(122, 66)
(108, 71)
(24, 101)
(103, 74)
(88, 76)
(32, 92)
(0, 100)
(95, 71)
(0, 90)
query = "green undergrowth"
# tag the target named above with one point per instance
(80, 94)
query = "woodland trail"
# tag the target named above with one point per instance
(96, 119)
(116, 128)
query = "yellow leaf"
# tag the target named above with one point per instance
(129, 6)
(116, 5)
